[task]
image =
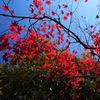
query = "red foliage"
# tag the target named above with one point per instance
(35, 46)
(5, 8)
(40, 47)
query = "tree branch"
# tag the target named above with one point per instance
(53, 19)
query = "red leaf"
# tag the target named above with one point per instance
(35, 16)
(32, 10)
(62, 12)
(76, 0)
(12, 12)
(48, 3)
(52, 25)
(44, 23)
(13, 27)
(13, 36)
(53, 13)
(86, 0)
(41, 9)
(65, 17)
(43, 29)
(71, 13)
(91, 26)
(65, 6)
(5, 8)
(67, 14)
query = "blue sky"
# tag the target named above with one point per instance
(89, 10)
(21, 7)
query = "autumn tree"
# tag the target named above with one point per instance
(55, 23)
(40, 50)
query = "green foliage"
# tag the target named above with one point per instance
(18, 83)
(88, 90)
(23, 83)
